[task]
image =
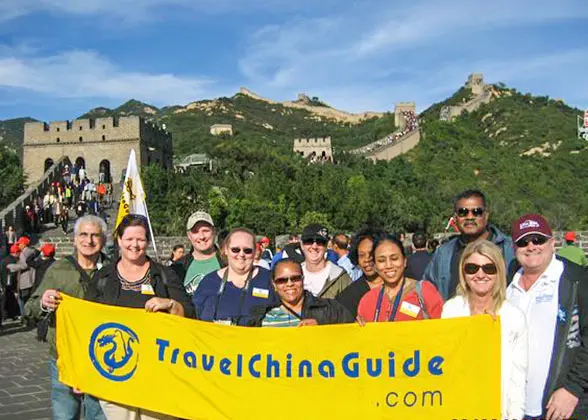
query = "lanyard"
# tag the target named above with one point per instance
(223, 286)
(396, 303)
(292, 312)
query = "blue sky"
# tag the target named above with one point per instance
(60, 58)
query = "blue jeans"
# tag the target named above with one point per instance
(65, 405)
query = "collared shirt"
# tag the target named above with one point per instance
(345, 263)
(540, 306)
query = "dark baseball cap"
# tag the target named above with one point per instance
(315, 231)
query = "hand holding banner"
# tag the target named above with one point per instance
(435, 370)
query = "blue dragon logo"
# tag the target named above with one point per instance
(113, 351)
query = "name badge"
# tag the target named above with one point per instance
(260, 293)
(409, 309)
(147, 289)
(544, 298)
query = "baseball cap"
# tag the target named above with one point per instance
(14, 249)
(264, 240)
(570, 236)
(315, 231)
(530, 224)
(23, 240)
(198, 216)
(48, 250)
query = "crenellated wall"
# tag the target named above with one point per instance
(101, 141)
(306, 146)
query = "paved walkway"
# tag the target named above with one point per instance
(24, 375)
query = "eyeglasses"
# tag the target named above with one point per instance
(320, 242)
(464, 211)
(471, 268)
(246, 251)
(284, 280)
(536, 240)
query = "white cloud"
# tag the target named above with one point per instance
(86, 74)
(374, 55)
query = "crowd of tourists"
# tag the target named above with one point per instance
(412, 123)
(72, 195)
(370, 276)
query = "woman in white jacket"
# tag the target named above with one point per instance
(482, 290)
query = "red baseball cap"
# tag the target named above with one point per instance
(14, 249)
(23, 240)
(530, 224)
(264, 240)
(48, 250)
(570, 236)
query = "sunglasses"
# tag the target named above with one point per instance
(471, 268)
(536, 240)
(321, 242)
(284, 280)
(246, 251)
(464, 211)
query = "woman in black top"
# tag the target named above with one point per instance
(361, 255)
(135, 281)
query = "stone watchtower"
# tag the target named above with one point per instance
(98, 145)
(321, 147)
(476, 83)
(399, 119)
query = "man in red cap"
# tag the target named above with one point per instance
(26, 274)
(41, 261)
(572, 252)
(553, 294)
(266, 252)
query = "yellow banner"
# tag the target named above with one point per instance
(434, 370)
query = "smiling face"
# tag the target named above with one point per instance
(535, 258)
(480, 283)
(201, 237)
(240, 250)
(287, 282)
(314, 251)
(133, 244)
(390, 263)
(469, 221)
(89, 240)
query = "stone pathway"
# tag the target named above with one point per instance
(25, 386)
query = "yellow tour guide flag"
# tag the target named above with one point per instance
(431, 370)
(132, 197)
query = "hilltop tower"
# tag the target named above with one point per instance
(99, 145)
(320, 147)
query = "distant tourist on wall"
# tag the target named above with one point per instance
(571, 251)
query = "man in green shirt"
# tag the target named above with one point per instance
(571, 252)
(64, 277)
(203, 258)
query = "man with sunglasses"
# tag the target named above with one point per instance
(322, 277)
(471, 216)
(553, 294)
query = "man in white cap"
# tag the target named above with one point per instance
(203, 257)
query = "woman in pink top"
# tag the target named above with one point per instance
(399, 298)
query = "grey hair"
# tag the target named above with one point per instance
(91, 220)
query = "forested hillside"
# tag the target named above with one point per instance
(520, 149)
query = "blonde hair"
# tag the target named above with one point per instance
(493, 253)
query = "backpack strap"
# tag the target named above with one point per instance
(419, 291)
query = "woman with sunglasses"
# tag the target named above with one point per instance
(399, 298)
(228, 295)
(296, 306)
(482, 290)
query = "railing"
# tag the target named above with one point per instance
(14, 213)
